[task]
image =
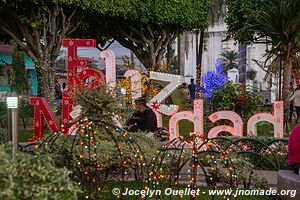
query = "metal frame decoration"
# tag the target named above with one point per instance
(183, 161)
(87, 171)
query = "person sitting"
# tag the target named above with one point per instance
(144, 119)
(294, 149)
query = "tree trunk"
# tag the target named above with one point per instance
(170, 55)
(199, 64)
(287, 73)
(46, 84)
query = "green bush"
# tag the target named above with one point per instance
(33, 177)
(3, 136)
(235, 98)
(3, 114)
(25, 110)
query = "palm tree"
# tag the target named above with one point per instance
(230, 59)
(280, 23)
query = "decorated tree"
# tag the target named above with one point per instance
(38, 27)
(213, 80)
(18, 75)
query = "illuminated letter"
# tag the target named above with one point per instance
(196, 118)
(136, 89)
(110, 67)
(276, 120)
(236, 130)
(175, 82)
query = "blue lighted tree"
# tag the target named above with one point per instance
(214, 80)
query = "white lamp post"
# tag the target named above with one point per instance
(12, 105)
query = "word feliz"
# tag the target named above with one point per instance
(78, 72)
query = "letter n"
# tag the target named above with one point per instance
(42, 111)
(196, 118)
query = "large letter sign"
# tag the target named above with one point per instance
(175, 82)
(276, 119)
(236, 130)
(78, 75)
(196, 118)
(41, 111)
(136, 87)
(110, 67)
(73, 63)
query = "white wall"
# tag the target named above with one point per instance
(213, 47)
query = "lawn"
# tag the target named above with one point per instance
(24, 135)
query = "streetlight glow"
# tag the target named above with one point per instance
(12, 102)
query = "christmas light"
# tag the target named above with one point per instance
(214, 80)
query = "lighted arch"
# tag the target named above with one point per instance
(236, 130)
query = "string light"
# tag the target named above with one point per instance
(214, 80)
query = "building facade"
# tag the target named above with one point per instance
(214, 45)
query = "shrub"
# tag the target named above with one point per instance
(33, 177)
(3, 136)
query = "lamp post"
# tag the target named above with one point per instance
(12, 105)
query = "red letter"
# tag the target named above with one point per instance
(42, 111)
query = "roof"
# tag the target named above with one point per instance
(6, 57)
(6, 49)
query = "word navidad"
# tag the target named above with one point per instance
(78, 72)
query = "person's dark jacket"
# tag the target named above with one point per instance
(143, 121)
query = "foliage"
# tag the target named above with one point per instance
(251, 74)
(275, 22)
(214, 80)
(3, 114)
(31, 177)
(18, 76)
(42, 24)
(240, 167)
(102, 104)
(112, 157)
(146, 27)
(25, 111)
(236, 98)
(3, 136)
(240, 13)
(230, 59)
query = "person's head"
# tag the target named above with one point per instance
(140, 104)
(192, 80)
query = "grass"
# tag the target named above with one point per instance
(24, 135)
